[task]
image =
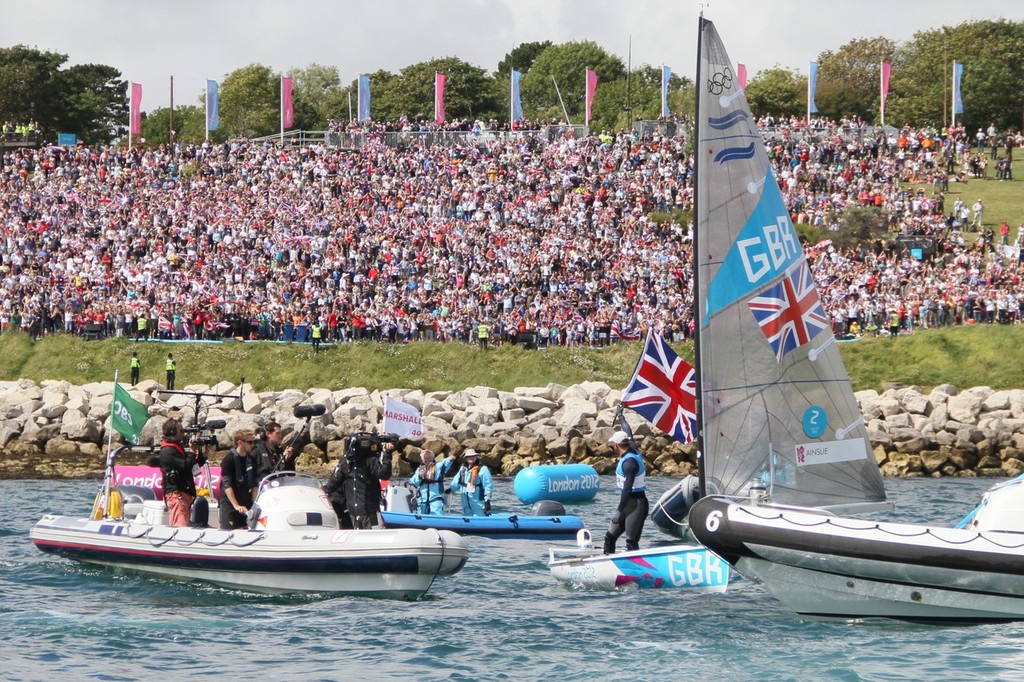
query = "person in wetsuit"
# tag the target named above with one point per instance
(633, 506)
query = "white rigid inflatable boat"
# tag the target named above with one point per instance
(294, 544)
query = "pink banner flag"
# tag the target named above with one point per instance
(591, 89)
(287, 108)
(741, 75)
(886, 70)
(135, 105)
(439, 81)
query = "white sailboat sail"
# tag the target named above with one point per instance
(777, 406)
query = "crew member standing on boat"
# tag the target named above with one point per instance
(269, 455)
(238, 481)
(632, 511)
(429, 478)
(354, 486)
(474, 482)
(176, 466)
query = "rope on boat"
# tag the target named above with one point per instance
(440, 562)
(832, 521)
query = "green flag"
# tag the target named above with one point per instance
(127, 415)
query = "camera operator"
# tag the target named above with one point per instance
(269, 455)
(176, 466)
(238, 481)
(354, 486)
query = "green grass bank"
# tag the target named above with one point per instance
(986, 355)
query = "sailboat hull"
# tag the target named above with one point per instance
(688, 567)
(824, 565)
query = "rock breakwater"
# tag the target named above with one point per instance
(54, 429)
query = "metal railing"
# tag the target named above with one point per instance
(356, 140)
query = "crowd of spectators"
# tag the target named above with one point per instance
(568, 241)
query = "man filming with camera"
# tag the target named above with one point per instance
(354, 486)
(176, 465)
(269, 455)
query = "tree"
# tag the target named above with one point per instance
(520, 58)
(779, 92)
(848, 79)
(189, 125)
(250, 102)
(318, 88)
(567, 64)
(992, 53)
(469, 92)
(95, 102)
(89, 100)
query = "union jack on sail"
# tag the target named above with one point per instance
(664, 390)
(790, 313)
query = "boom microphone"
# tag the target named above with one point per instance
(304, 411)
(215, 424)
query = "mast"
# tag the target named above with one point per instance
(697, 316)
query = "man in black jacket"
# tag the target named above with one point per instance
(354, 486)
(269, 456)
(176, 466)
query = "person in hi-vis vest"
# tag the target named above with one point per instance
(170, 371)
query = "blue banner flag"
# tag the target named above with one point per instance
(212, 105)
(364, 98)
(812, 84)
(666, 75)
(517, 101)
(958, 100)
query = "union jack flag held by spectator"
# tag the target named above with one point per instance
(790, 313)
(663, 390)
(619, 331)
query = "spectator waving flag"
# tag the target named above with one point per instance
(663, 390)
(790, 313)
(622, 332)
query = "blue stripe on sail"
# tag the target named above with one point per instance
(733, 153)
(727, 121)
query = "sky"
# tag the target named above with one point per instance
(192, 40)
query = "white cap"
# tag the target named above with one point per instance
(618, 438)
(470, 452)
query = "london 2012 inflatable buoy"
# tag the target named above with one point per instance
(560, 482)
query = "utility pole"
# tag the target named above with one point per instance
(170, 116)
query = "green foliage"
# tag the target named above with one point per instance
(567, 64)
(89, 100)
(318, 89)
(520, 58)
(250, 102)
(189, 125)
(469, 92)
(848, 79)
(992, 53)
(858, 224)
(777, 91)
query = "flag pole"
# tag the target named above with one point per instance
(207, 138)
(559, 93)
(282, 110)
(881, 88)
(109, 469)
(953, 103)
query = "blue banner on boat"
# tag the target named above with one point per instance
(559, 482)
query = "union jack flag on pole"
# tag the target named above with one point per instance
(663, 390)
(790, 313)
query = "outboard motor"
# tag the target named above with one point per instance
(200, 512)
(547, 508)
(133, 497)
(670, 511)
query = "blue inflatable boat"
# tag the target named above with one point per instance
(546, 520)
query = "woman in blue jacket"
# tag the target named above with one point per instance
(474, 483)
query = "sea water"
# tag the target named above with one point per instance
(503, 617)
